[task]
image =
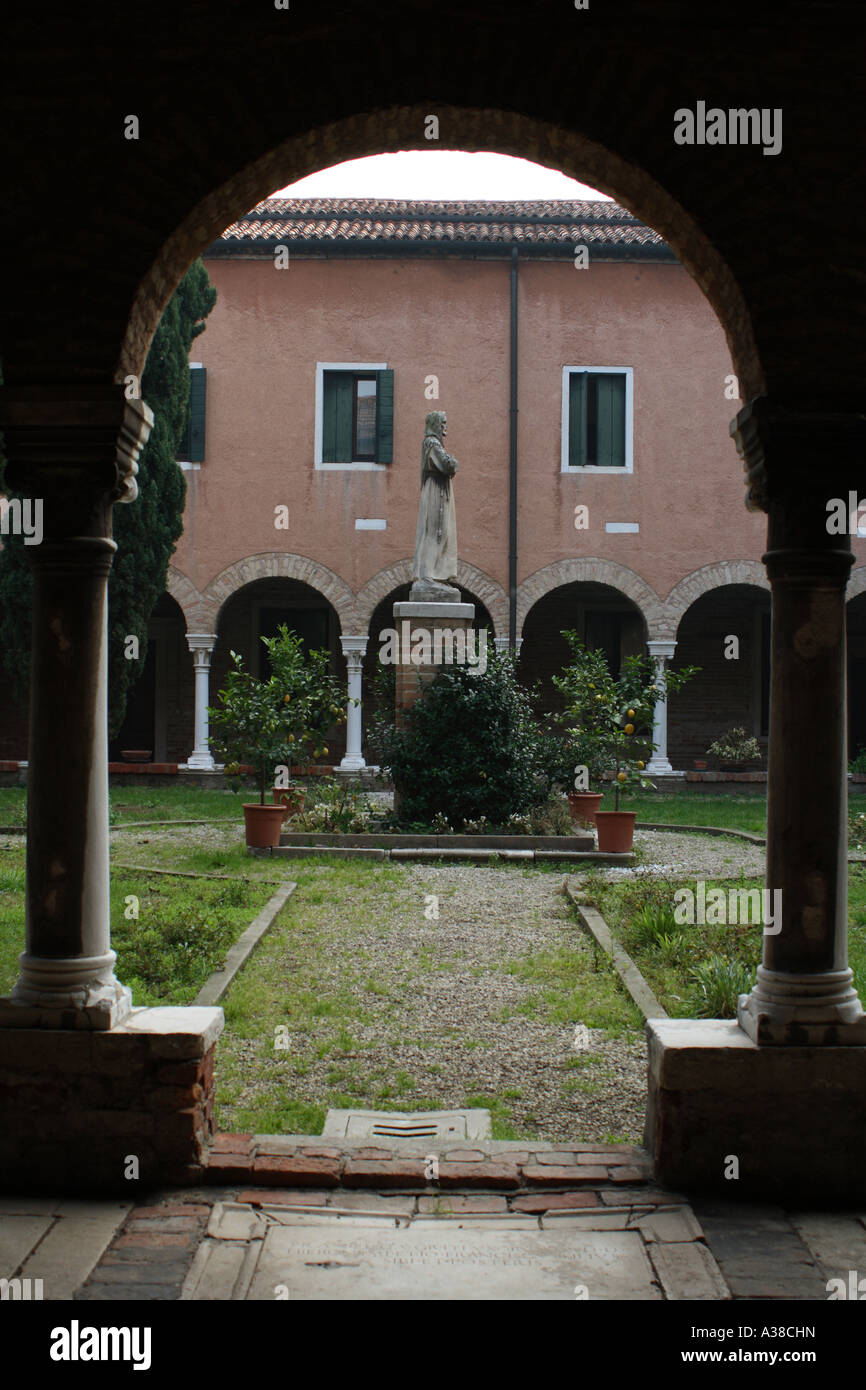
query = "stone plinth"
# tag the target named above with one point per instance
(77, 1106)
(794, 1117)
(446, 625)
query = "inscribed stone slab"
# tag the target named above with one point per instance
(441, 1262)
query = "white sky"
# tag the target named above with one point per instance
(439, 175)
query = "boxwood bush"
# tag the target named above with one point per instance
(471, 748)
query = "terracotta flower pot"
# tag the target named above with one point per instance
(700, 764)
(263, 824)
(583, 806)
(615, 831)
(292, 798)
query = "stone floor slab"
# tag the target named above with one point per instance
(687, 1270)
(836, 1240)
(435, 1261)
(669, 1225)
(18, 1236)
(73, 1247)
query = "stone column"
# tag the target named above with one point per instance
(501, 644)
(659, 764)
(201, 644)
(76, 451)
(804, 992)
(354, 649)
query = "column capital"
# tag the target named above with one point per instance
(201, 641)
(354, 646)
(660, 647)
(76, 446)
(798, 456)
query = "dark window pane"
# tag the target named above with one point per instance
(365, 419)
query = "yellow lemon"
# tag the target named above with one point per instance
(621, 776)
(629, 728)
(640, 764)
(598, 697)
(324, 750)
(630, 714)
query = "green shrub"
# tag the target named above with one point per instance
(470, 748)
(652, 922)
(716, 986)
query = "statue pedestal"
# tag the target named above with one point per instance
(431, 635)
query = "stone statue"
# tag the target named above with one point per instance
(434, 569)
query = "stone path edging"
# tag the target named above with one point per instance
(622, 962)
(725, 830)
(216, 984)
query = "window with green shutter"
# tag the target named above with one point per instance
(598, 419)
(191, 448)
(357, 416)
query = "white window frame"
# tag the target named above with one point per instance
(628, 467)
(360, 466)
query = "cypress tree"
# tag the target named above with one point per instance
(147, 530)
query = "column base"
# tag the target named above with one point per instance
(820, 1010)
(51, 993)
(200, 762)
(662, 768)
(352, 763)
(781, 1124)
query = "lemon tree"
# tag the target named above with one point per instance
(268, 723)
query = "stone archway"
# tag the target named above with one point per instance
(709, 577)
(585, 569)
(505, 132)
(279, 565)
(160, 225)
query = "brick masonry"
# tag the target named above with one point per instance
(107, 1112)
(274, 1160)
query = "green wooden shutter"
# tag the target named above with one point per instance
(197, 409)
(384, 416)
(577, 419)
(337, 417)
(611, 420)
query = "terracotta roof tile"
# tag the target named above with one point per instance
(372, 224)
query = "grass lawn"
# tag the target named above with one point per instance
(146, 803)
(183, 930)
(668, 962)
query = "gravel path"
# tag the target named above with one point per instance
(449, 1020)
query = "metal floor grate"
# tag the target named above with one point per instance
(442, 1125)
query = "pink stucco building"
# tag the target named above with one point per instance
(589, 390)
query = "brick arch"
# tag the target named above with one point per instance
(857, 582)
(491, 594)
(280, 565)
(196, 611)
(402, 127)
(588, 570)
(709, 577)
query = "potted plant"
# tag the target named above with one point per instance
(581, 682)
(265, 723)
(735, 749)
(612, 730)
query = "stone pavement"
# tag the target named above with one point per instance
(531, 1224)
